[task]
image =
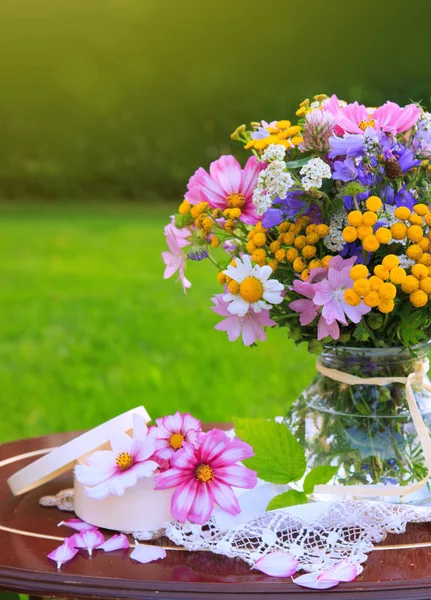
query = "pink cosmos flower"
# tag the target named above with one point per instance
(251, 326)
(172, 432)
(205, 476)
(63, 553)
(329, 293)
(355, 118)
(112, 471)
(175, 259)
(227, 186)
(323, 293)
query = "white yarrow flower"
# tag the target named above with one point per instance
(274, 152)
(314, 172)
(255, 290)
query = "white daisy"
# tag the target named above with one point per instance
(251, 288)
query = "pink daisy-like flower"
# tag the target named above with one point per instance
(326, 298)
(205, 476)
(227, 186)
(356, 118)
(251, 327)
(329, 294)
(175, 260)
(110, 472)
(172, 432)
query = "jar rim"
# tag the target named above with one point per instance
(393, 351)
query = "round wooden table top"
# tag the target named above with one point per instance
(389, 573)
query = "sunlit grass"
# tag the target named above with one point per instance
(89, 328)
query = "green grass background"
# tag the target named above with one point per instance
(89, 328)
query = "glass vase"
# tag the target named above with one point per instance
(365, 430)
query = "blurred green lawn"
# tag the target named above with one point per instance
(89, 328)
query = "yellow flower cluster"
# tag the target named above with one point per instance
(375, 291)
(283, 133)
(306, 107)
(205, 219)
(360, 226)
(295, 245)
(380, 290)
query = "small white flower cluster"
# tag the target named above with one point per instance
(314, 172)
(406, 262)
(371, 140)
(261, 200)
(334, 241)
(274, 152)
(426, 120)
(273, 182)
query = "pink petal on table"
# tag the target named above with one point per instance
(311, 580)
(344, 571)
(145, 554)
(76, 524)
(277, 564)
(89, 540)
(63, 553)
(116, 542)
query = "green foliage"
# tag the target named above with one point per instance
(361, 332)
(289, 498)
(334, 205)
(296, 164)
(411, 328)
(317, 476)
(278, 458)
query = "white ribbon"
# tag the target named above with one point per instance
(417, 378)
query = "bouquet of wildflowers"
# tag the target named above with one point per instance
(325, 231)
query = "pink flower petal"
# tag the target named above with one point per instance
(183, 498)
(227, 171)
(344, 571)
(311, 580)
(145, 554)
(76, 524)
(237, 476)
(88, 540)
(234, 451)
(170, 478)
(203, 503)
(225, 497)
(277, 564)
(250, 174)
(63, 553)
(116, 542)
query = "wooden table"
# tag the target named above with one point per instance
(389, 574)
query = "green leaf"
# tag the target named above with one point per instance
(295, 164)
(315, 347)
(361, 332)
(278, 458)
(411, 328)
(183, 220)
(318, 475)
(290, 498)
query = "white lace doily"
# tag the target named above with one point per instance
(320, 535)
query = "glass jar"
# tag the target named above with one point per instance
(365, 430)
